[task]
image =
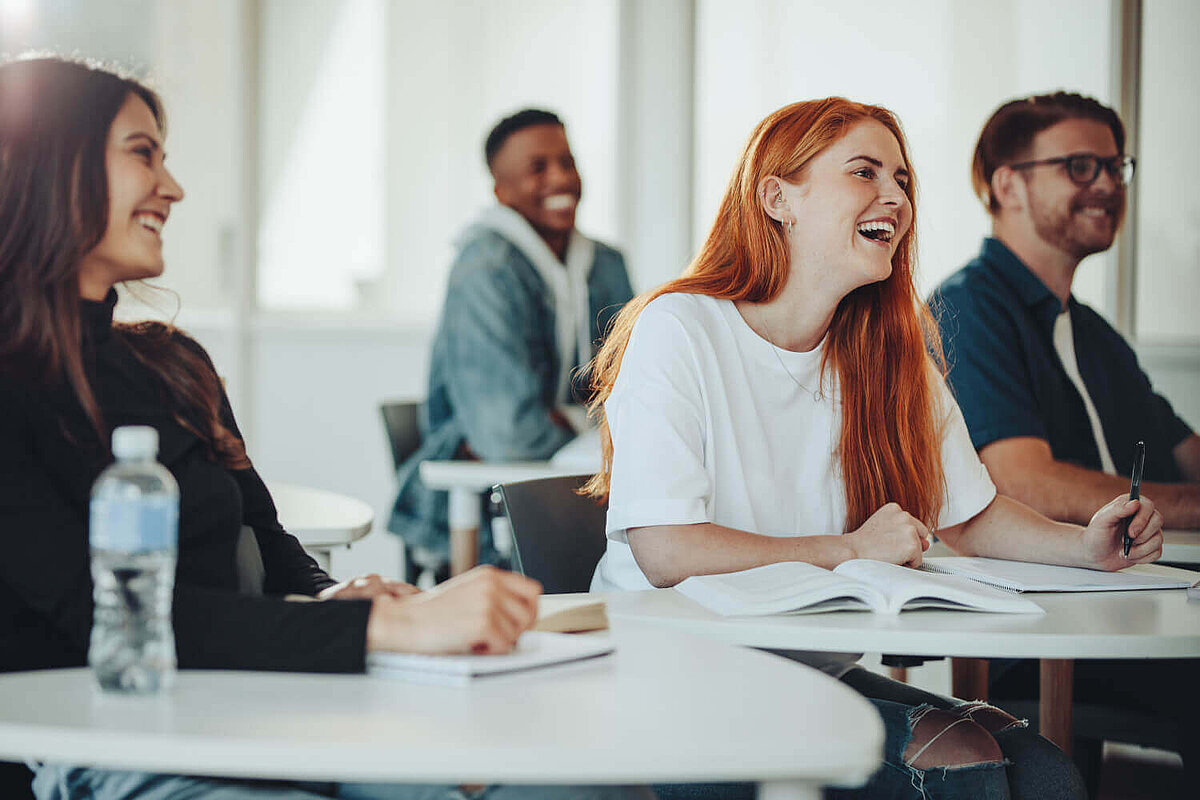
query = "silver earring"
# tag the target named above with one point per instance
(791, 226)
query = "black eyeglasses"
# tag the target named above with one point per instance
(1083, 168)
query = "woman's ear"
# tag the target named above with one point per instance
(773, 199)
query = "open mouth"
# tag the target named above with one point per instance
(559, 202)
(1097, 212)
(880, 230)
(151, 222)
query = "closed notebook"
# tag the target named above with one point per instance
(1021, 576)
(534, 650)
(795, 587)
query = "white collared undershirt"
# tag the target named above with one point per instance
(1064, 343)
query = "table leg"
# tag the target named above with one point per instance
(969, 678)
(322, 556)
(783, 790)
(464, 516)
(1054, 710)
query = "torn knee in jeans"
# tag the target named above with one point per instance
(946, 739)
(990, 718)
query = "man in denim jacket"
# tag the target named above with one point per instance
(528, 300)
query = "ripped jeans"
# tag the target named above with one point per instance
(1032, 766)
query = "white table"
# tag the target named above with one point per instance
(1139, 624)
(320, 519)
(1181, 547)
(466, 481)
(665, 708)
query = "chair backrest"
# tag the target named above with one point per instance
(559, 534)
(15, 781)
(401, 421)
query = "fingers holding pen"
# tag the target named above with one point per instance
(1146, 531)
(1145, 521)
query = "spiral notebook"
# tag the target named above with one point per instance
(535, 649)
(1022, 576)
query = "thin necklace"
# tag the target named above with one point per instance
(762, 320)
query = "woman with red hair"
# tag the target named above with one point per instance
(784, 400)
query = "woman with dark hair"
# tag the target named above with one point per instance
(84, 196)
(784, 400)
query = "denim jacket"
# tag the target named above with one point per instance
(494, 373)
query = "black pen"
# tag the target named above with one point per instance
(1135, 489)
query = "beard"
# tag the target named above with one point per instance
(1071, 229)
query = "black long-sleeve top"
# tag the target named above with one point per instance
(49, 459)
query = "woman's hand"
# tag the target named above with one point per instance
(1102, 540)
(891, 534)
(481, 611)
(367, 587)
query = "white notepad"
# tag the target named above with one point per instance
(795, 587)
(534, 649)
(1022, 576)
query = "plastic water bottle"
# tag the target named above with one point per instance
(134, 532)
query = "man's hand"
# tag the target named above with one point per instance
(1102, 540)
(481, 611)
(367, 587)
(891, 534)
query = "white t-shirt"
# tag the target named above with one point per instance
(707, 426)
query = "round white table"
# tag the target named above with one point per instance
(1135, 624)
(320, 519)
(665, 708)
(1181, 547)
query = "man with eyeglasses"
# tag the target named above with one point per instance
(1053, 396)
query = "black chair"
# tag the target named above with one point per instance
(402, 422)
(558, 534)
(15, 781)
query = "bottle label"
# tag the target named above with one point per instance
(134, 525)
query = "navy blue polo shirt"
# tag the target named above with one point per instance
(997, 326)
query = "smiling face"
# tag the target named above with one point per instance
(1077, 220)
(850, 206)
(140, 195)
(536, 177)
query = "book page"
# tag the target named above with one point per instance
(1022, 576)
(571, 617)
(907, 588)
(788, 586)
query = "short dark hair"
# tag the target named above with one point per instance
(525, 118)
(1008, 135)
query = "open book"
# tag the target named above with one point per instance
(534, 649)
(1021, 576)
(795, 587)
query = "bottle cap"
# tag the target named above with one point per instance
(134, 442)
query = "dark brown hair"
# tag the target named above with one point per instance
(883, 344)
(1008, 134)
(55, 117)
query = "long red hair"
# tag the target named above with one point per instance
(882, 344)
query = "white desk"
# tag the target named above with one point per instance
(1181, 547)
(466, 481)
(1143, 624)
(647, 714)
(321, 520)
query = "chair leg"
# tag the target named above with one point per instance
(969, 678)
(1088, 756)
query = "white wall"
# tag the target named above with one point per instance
(1168, 211)
(941, 66)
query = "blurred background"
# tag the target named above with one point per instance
(331, 150)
